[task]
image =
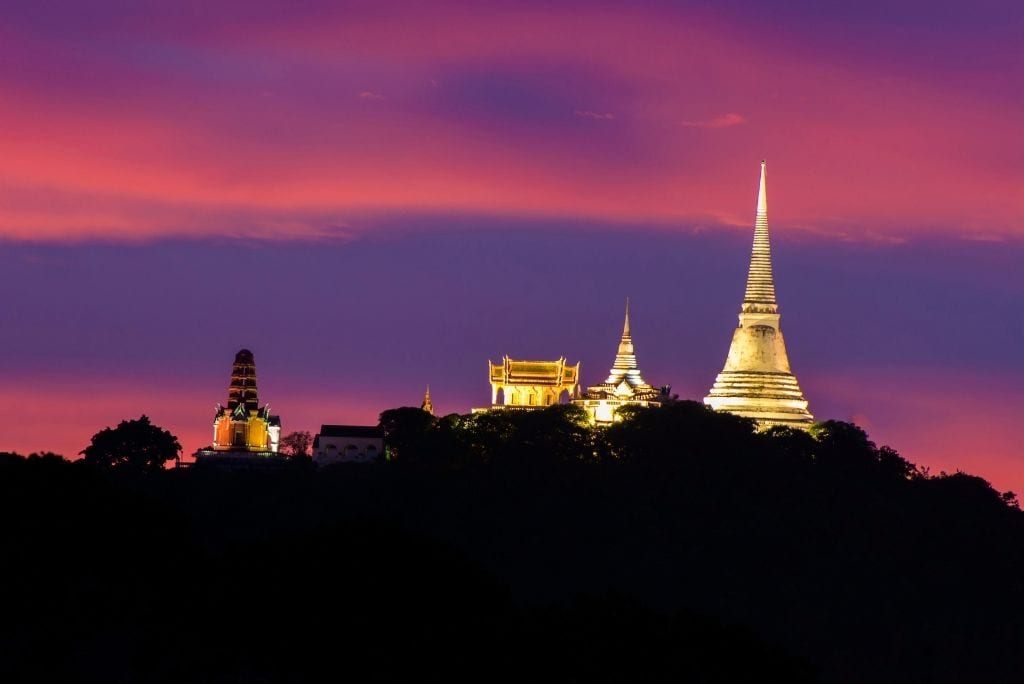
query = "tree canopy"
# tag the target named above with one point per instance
(133, 444)
(297, 444)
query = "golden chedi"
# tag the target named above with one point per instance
(624, 386)
(756, 381)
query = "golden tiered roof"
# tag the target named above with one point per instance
(523, 372)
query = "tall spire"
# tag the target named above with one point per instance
(760, 294)
(625, 367)
(756, 381)
(625, 386)
(427, 405)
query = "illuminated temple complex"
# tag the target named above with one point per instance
(756, 381)
(623, 386)
(532, 384)
(243, 431)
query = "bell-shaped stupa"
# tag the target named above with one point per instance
(757, 381)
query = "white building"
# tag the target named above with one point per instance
(625, 386)
(348, 444)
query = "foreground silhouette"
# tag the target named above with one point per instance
(135, 444)
(679, 545)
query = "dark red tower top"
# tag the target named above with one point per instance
(243, 382)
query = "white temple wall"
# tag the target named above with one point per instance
(347, 450)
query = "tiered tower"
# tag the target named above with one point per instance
(427, 405)
(624, 384)
(243, 425)
(242, 389)
(757, 381)
(624, 376)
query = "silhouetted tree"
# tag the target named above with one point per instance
(970, 491)
(558, 433)
(297, 444)
(845, 448)
(677, 433)
(134, 444)
(790, 441)
(405, 431)
(10, 458)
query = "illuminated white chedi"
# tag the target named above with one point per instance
(757, 381)
(624, 385)
(624, 377)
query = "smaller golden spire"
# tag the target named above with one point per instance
(427, 405)
(625, 326)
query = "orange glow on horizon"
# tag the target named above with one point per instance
(977, 434)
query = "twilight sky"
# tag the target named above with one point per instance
(373, 196)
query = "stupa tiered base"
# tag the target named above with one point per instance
(770, 398)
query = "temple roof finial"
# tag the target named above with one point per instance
(760, 294)
(427, 405)
(762, 195)
(625, 360)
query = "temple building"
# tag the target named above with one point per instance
(624, 385)
(756, 381)
(348, 444)
(532, 384)
(243, 431)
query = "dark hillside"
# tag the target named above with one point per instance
(679, 545)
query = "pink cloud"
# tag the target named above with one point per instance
(723, 121)
(189, 155)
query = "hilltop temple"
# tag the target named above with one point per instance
(624, 385)
(532, 384)
(756, 381)
(243, 431)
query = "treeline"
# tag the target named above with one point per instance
(677, 545)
